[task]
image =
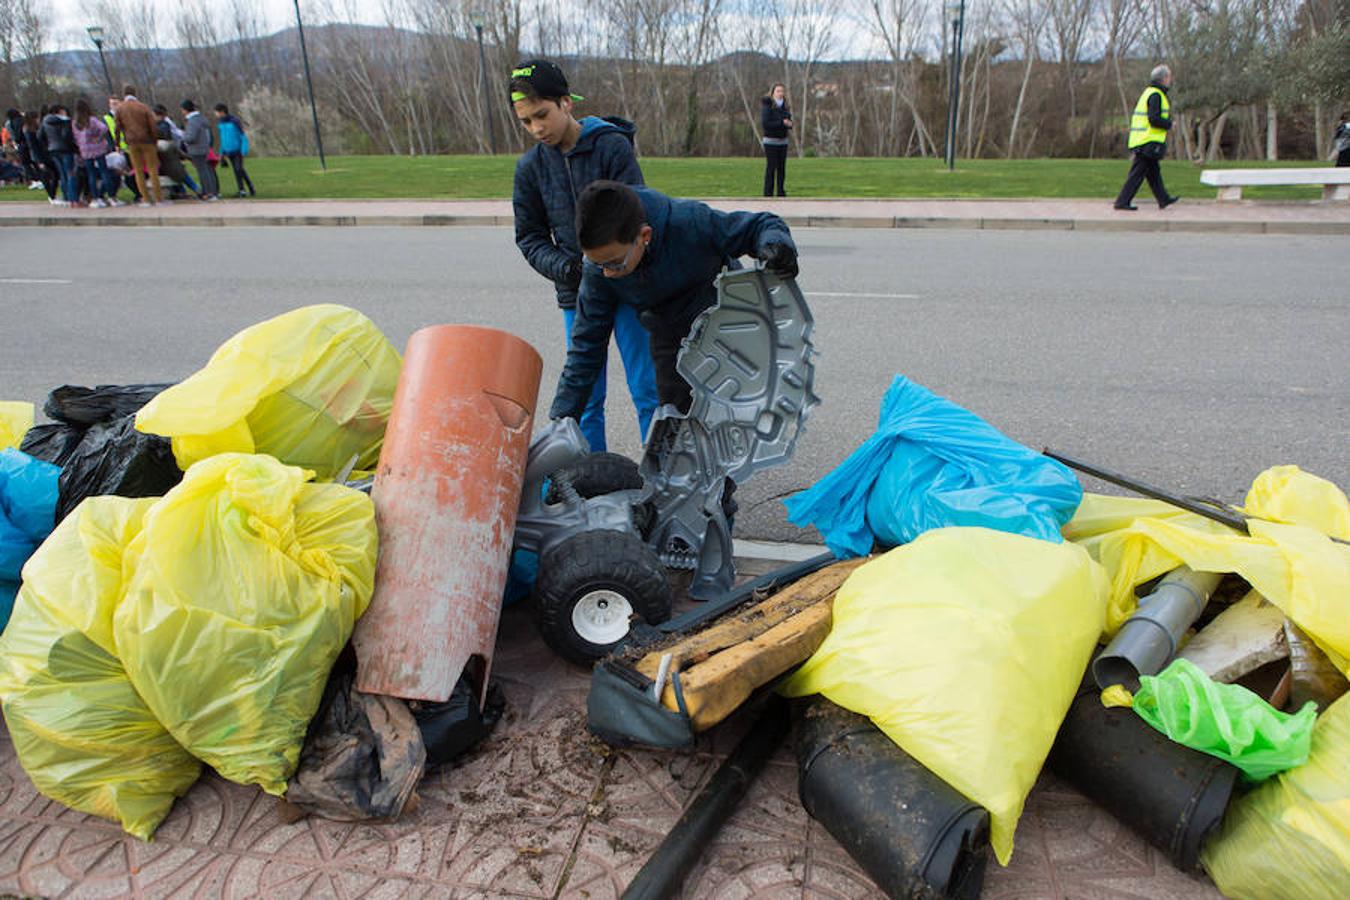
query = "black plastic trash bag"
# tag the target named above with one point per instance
(362, 758)
(95, 442)
(456, 726)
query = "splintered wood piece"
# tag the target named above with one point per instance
(715, 688)
(752, 619)
(1241, 639)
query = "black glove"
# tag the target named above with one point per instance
(572, 278)
(780, 259)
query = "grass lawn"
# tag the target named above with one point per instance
(485, 177)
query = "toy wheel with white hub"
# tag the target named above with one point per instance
(590, 586)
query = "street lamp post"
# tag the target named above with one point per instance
(477, 18)
(956, 11)
(309, 81)
(96, 35)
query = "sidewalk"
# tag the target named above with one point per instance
(539, 810)
(1191, 215)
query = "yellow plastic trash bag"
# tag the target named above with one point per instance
(1290, 838)
(312, 387)
(1288, 494)
(1294, 566)
(966, 647)
(81, 732)
(16, 417)
(247, 583)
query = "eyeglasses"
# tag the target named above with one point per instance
(621, 264)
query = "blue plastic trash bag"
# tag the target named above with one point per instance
(28, 489)
(932, 464)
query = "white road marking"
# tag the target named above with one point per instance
(35, 281)
(880, 296)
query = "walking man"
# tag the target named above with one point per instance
(1149, 125)
(136, 125)
(570, 155)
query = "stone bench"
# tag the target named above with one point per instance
(1335, 182)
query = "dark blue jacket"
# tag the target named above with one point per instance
(548, 183)
(691, 243)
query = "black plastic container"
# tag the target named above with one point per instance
(1171, 795)
(911, 832)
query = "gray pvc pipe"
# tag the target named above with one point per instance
(1148, 640)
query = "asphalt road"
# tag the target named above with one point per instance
(1191, 361)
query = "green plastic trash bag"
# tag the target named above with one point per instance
(81, 732)
(1224, 720)
(247, 584)
(1289, 839)
(312, 387)
(966, 648)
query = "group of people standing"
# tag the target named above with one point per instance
(85, 159)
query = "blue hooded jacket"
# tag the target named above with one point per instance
(548, 183)
(691, 243)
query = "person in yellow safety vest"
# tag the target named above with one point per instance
(1148, 141)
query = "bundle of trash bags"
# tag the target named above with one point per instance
(28, 492)
(151, 635)
(932, 464)
(313, 387)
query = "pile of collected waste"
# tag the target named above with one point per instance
(1185, 669)
(185, 573)
(290, 567)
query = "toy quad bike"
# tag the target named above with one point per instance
(606, 528)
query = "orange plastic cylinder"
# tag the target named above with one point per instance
(446, 494)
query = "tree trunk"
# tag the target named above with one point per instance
(1017, 110)
(1272, 131)
(1216, 137)
(1319, 130)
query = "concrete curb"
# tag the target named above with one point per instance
(799, 221)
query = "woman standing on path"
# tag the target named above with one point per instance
(775, 118)
(91, 137)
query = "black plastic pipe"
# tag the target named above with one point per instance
(911, 832)
(665, 871)
(1171, 795)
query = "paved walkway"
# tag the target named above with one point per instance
(1246, 216)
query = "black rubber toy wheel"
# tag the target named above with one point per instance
(597, 474)
(590, 586)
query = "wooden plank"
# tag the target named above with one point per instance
(1241, 639)
(713, 689)
(751, 620)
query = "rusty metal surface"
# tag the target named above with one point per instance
(446, 493)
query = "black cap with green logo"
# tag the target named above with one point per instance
(544, 76)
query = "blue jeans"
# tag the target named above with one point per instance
(65, 167)
(635, 350)
(96, 174)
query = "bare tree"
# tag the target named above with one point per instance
(900, 26)
(1027, 18)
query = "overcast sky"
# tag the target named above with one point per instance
(69, 20)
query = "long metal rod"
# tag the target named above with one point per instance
(102, 59)
(309, 81)
(1223, 516)
(487, 95)
(954, 85)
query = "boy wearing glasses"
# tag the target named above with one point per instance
(655, 256)
(549, 177)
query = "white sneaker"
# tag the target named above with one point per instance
(144, 203)
(35, 186)
(115, 202)
(98, 203)
(55, 202)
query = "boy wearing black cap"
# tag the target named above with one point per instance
(550, 176)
